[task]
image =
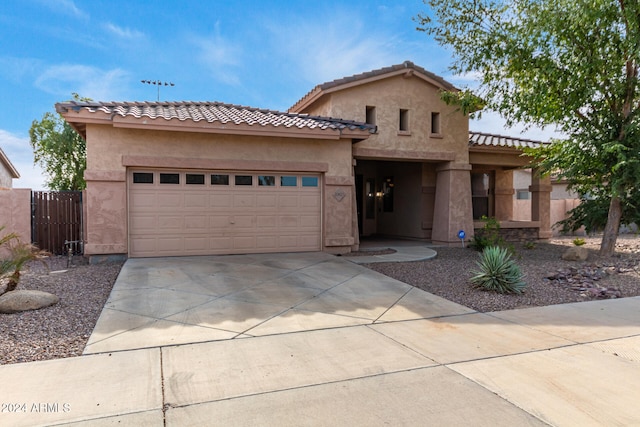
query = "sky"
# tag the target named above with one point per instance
(265, 54)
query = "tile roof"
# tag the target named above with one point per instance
(491, 140)
(405, 66)
(214, 112)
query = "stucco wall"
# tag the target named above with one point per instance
(110, 150)
(559, 211)
(390, 95)
(15, 212)
(6, 179)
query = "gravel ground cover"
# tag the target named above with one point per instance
(63, 329)
(550, 280)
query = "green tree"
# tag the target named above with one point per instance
(60, 150)
(572, 64)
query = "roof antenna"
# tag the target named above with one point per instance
(157, 83)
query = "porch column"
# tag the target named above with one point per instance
(503, 195)
(452, 211)
(540, 189)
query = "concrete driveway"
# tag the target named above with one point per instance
(313, 339)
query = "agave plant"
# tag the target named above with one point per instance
(498, 272)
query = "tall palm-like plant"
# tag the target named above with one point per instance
(19, 254)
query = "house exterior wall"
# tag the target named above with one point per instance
(430, 169)
(390, 95)
(15, 212)
(111, 150)
(6, 178)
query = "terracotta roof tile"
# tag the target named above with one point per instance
(212, 112)
(487, 139)
(406, 65)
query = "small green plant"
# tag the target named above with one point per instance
(529, 244)
(578, 241)
(498, 272)
(19, 255)
(489, 235)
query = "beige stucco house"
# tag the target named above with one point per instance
(15, 203)
(7, 172)
(377, 153)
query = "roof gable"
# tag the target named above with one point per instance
(8, 165)
(407, 69)
(211, 117)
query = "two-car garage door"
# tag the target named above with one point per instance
(174, 213)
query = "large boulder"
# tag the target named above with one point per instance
(21, 300)
(576, 253)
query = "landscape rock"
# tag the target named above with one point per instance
(576, 253)
(23, 300)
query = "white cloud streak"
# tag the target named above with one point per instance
(123, 33)
(87, 81)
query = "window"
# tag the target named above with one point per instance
(435, 123)
(169, 178)
(309, 181)
(387, 194)
(481, 194)
(244, 180)
(219, 179)
(370, 115)
(370, 201)
(195, 179)
(266, 181)
(404, 120)
(143, 177)
(523, 195)
(288, 181)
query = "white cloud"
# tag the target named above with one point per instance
(66, 7)
(20, 154)
(123, 33)
(16, 69)
(219, 55)
(333, 49)
(87, 81)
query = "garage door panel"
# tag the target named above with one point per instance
(288, 201)
(309, 201)
(310, 221)
(196, 244)
(264, 221)
(240, 222)
(197, 223)
(170, 222)
(169, 200)
(144, 200)
(198, 200)
(266, 242)
(144, 222)
(220, 201)
(181, 219)
(244, 200)
(266, 201)
(242, 243)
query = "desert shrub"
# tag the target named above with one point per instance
(19, 255)
(578, 241)
(529, 244)
(498, 272)
(490, 236)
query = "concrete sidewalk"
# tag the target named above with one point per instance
(311, 339)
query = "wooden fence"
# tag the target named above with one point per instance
(56, 221)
